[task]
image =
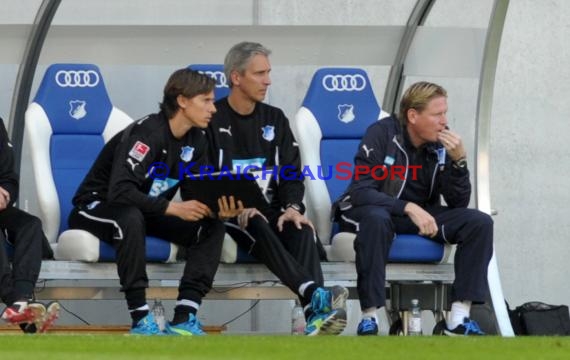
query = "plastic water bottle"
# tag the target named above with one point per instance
(297, 319)
(158, 313)
(415, 319)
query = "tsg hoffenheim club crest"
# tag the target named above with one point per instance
(187, 153)
(346, 113)
(268, 132)
(77, 109)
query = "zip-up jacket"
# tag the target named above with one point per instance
(143, 166)
(383, 144)
(261, 139)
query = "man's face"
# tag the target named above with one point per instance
(254, 81)
(198, 109)
(424, 126)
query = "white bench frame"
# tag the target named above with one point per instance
(74, 280)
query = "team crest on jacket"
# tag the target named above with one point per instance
(268, 132)
(187, 153)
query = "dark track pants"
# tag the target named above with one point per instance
(470, 229)
(125, 227)
(24, 232)
(291, 255)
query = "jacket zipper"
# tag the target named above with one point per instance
(407, 165)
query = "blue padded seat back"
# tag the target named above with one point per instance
(75, 154)
(337, 154)
(77, 106)
(344, 105)
(215, 71)
(78, 109)
(74, 98)
(343, 102)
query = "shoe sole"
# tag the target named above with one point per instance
(179, 332)
(339, 297)
(51, 315)
(332, 325)
(130, 333)
(450, 333)
(367, 333)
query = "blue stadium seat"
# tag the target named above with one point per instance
(215, 71)
(337, 109)
(67, 125)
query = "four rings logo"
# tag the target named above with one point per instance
(346, 82)
(77, 78)
(219, 76)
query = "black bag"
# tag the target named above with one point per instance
(537, 318)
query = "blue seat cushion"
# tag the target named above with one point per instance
(157, 250)
(415, 249)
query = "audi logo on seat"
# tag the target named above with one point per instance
(219, 76)
(345, 82)
(77, 78)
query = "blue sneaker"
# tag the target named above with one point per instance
(324, 320)
(146, 326)
(192, 327)
(367, 326)
(321, 301)
(468, 328)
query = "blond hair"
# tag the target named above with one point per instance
(417, 96)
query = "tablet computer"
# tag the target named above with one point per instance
(209, 188)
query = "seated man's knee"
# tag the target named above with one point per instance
(305, 229)
(481, 219)
(215, 230)
(131, 218)
(257, 220)
(131, 214)
(379, 220)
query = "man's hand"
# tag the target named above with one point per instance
(191, 210)
(246, 214)
(4, 198)
(228, 209)
(293, 215)
(453, 144)
(423, 220)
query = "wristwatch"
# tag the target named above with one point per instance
(295, 207)
(460, 164)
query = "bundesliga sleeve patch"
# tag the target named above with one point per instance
(139, 151)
